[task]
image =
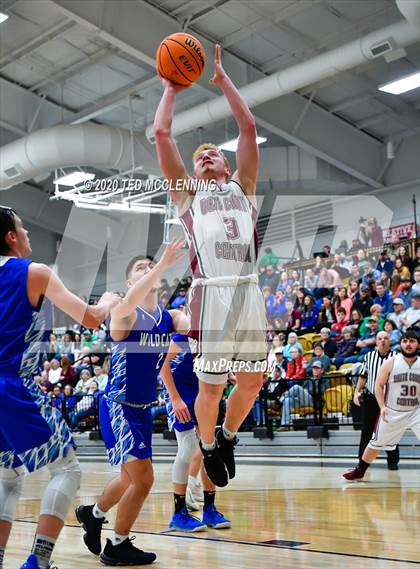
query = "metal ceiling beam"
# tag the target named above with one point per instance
(138, 32)
(48, 35)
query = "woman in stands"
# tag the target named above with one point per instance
(309, 315)
(343, 301)
(356, 319)
(327, 315)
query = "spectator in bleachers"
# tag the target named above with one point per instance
(383, 298)
(55, 372)
(83, 362)
(289, 293)
(180, 299)
(68, 373)
(384, 263)
(269, 258)
(83, 385)
(411, 316)
(370, 275)
(280, 361)
(398, 273)
(279, 324)
(375, 310)
(270, 277)
(310, 279)
(56, 396)
(343, 301)
(300, 297)
(293, 399)
(292, 317)
(327, 280)
(355, 322)
(405, 291)
(97, 354)
(353, 291)
(309, 315)
(416, 285)
(404, 257)
(284, 281)
(275, 343)
(296, 366)
(320, 382)
(68, 346)
(367, 341)
(87, 406)
(100, 377)
(292, 342)
(356, 273)
(326, 315)
(330, 347)
(345, 347)
(337, 327)
(318, 355)
(365, 302)
(385, 279)
(394, 334)
(398, 313)
(339, 264)
(361, 259)
(52, 348)
(276, 305)
(87, 340)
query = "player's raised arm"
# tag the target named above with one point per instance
(170, 161)
(380, 384)
(42, 281)
(247, 155)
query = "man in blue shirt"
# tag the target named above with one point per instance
(406, 291)
(384, 298)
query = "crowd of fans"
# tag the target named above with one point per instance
(343, 301)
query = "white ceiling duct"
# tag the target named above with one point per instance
(371, 46)
(62, 146)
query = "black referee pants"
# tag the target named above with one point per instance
(370, 412)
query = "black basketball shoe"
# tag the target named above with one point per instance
(214, 465)
(125, 553)
(226, 450)
(92, 527)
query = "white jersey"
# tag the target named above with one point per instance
(403, 389)
(220, 230)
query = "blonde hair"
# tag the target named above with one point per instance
(207, 146)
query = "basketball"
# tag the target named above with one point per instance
(181, 59)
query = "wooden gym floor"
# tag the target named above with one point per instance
(283, 516)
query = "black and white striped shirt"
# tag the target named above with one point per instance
(371, 364)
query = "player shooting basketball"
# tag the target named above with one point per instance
(220, 228)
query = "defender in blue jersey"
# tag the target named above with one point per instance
(180, 391)
(140, 332)
(33, 433)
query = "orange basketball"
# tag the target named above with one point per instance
(181, 59)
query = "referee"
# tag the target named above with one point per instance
(369, 406)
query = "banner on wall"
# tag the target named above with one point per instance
(404, 231)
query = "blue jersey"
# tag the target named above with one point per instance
(186, 383)
(136, 361)
(23, 327)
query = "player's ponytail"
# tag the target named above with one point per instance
(7, 223)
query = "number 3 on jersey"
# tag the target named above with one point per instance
(231, 228)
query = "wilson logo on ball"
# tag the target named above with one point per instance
(181, 59)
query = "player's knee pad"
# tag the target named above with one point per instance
(187, 445)
(62, 487)
(11, 482)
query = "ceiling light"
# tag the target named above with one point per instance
(74, 178)
(402, 85)
(3, 17)
(232, 145)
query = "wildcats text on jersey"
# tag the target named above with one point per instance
(154, 340)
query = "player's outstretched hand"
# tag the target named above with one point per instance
(173, 253)
(168, 85)
(219, 73)
(110, 299)
(181, 410)
(384, 414)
